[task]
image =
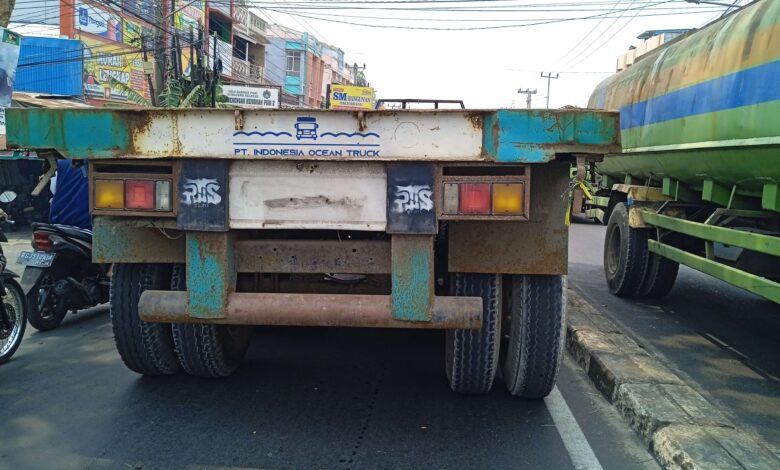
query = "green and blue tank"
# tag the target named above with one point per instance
(705, 106)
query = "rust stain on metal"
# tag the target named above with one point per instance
(139, 123)
(361, 118)
(310, 256)
(177, 149)
(239, 120)
(337, 310)
(537, 246)
(476, 120)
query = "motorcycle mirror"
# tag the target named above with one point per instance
(7, 196)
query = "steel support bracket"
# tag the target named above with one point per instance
(412, 277)
(211, 273)
(761, 243)
(770, 197)
(722, 196)
(679, 191)
(750, 282)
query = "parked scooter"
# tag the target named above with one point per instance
(13, 305)
(59, 275)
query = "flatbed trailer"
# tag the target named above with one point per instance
(218, 220)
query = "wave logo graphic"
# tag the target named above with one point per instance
(262, 134)
(352, 134)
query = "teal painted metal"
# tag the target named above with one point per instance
(76, 133)
(412, 277)
(750, 282)
(536, 136)
(748, 240)
(211, 273)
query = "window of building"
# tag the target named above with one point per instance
(239, 47)
(294, 63)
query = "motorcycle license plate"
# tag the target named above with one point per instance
(36, 259)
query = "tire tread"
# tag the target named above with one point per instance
(537, 309)
(202, 348)
(472, 355)
(146, 348)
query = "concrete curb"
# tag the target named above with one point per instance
(681, 428)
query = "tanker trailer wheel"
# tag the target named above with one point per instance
(532, 345)
(660, 275)
(625, 254)
(471, 356)
(146, 348)
(208, 351)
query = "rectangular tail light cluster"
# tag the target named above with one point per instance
(113, 194)
(474, 196)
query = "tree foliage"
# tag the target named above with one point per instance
(175, 93)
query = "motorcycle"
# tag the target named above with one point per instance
(13, 305)
(59, 275)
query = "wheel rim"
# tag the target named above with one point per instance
(613, 249)
(13, 308)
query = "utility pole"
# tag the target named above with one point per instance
(528, 92)
(355, 69)
(159, 49)
(549, 77)
(6, 9)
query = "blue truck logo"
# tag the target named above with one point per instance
(306, 128)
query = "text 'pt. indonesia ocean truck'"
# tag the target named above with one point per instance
(219, 220)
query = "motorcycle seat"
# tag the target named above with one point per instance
(67, 230)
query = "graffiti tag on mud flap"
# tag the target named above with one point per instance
(412, 198)
(200, 192)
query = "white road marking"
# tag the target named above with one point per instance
(574, 440)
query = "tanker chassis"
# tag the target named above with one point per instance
(219, 220)
(698, 182)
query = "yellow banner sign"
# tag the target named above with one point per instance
(351, 97)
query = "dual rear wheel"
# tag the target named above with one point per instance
(630, 268)
(156, 349)
(522, 334)
(529, 309)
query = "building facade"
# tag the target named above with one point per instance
(119, 38)
(295, 61)
(335, 71)
(112, 35)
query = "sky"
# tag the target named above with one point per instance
(485, 68)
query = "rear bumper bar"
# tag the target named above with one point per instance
(372, 311)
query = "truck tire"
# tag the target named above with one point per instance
(146, 348)
(208, 351)
(533, 348)
(660, 276)
(471, 356)
(625, 254)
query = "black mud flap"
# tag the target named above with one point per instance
(31, 277)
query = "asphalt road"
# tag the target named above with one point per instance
(303, 398)
(722, 339)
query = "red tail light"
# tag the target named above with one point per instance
(139, 194)
(475, 198)
(42, 242)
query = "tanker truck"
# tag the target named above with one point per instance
(698, 181)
